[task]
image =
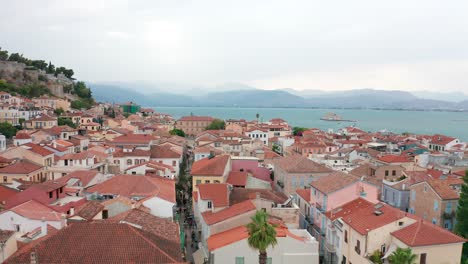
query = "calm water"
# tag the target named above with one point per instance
(370, 120)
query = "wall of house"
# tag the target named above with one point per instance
(9, 219)
(251, 165)
(160, 207)
(170, 163)
(9, 248)
(396, 198)
(422, 199)
(230, 223)
(288, 250)
(206, 179)
(437, 253)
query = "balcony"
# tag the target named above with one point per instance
(447, 215)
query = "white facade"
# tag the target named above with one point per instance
(174, 162)
(262, 135)
(288, 250)
(2, 143)
(10, 220)
(159, 207)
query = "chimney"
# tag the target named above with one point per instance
(43, 227)
(72, 211)
(63, 220)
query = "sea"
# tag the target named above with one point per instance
(399, 121)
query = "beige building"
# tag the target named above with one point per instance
(210, 170)
(42, 122)
(192, 125)
(51, 102)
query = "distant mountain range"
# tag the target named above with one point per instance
(239, 95)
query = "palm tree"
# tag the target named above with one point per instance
(261, 235)
(402, 256)
(257, 116)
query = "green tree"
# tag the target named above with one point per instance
(62, 121)
(59, 111)
(262, 235)
(217, 124)
(7, 129)
(376, 257)
(402, 256)
(461, 227)
(82, 103)
(50, 68)
(178, 132)
(275, 148)
(297, 131)
(3, 54)
(81, 90)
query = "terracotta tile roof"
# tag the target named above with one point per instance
(207, 149)
(394, 159)
(35, 210)
(89, 210)
(162, 227)
(6, 194)
(196, 118)
(77, 156)
(131, 185)
(105, 243)
(164, 152)
(445, 188)
(134, 153)
(37, 149)
(230, 236)
(334, 182)
(237, 178)
(304, 194)
(210, 167)
(441, 139)
(364, 220)
(239, 195)
(44, 118)
(133, 139)
(20, 167)
(234, 210)
(423, 233)
(22, 135)
(85, 176)
(299, 164)
(218, 193)
(347, 208)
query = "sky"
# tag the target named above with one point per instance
(269, 44)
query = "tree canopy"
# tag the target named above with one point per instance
(217, 124)
(461, 228)
(62, 121)
(402, 256)
(177, 132)
(7, 129)
(262, 235)
(297, 131)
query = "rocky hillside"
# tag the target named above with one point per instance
(32, 78)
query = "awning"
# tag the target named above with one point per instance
(390, 250)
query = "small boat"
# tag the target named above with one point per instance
(334, 117)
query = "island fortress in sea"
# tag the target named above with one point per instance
(334, 117)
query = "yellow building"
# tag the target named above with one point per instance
(210, 170)
(42, 122)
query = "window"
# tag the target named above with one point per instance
(50, 194)
(436, 205)
(413, 195)
(207, 181)
(5, 178)
(425, 188)
(434, 221)
(133, 172)
(174, 163)
(422, 259)
(393, 172)
(129, 162)
(239, 260)
(198, 182)
(105, 214)
(209, 205)
(358, 247)
(17, 228)
(383, 249)
(269, 260)
(400, 223)
(346, 236)
(448, 208)
(386, 173)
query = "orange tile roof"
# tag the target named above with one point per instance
(334, 182)
(210, 167)
(347, 208)
(20, 167)
(364, 220)
(218, 193)
(304, 194)
(230, 236)
(37, 149)
(37, 211)
(164, 152)
(444, 188)
(394, 159)
(299, 164)
(196, 118)
(234, 210)
(131, 185)
(237, 178)
(423, 233)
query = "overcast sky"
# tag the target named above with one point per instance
(332, 45)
